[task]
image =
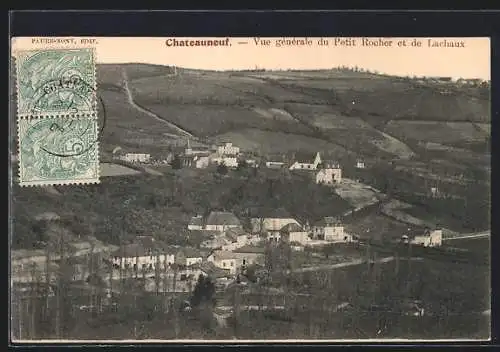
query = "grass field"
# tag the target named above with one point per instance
(437, 132)
(109, 169)
(270, 142)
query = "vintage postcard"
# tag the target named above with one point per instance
(250, 189)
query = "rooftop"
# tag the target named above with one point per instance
(196, 220)
(211, 270)
(221, 255)
(328, 221)
(222, 218)
(233, 233)
(190, 252)
(292, 227)
(330, 164)
(250, 249)
(278, 158)
(303, 157)
(142, 249)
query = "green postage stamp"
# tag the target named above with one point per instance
(57, 117)
(56, 82)
(58, 150)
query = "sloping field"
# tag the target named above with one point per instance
(377, 227)
(358, 195)
(437, 132)
(137, 71)
(416, 103)
(212, 120)
(109, 169)
(279, 142)
(350, 131)
(274, 114)
(326, 117)
(129, 128)
(187, 89)
(359, 83)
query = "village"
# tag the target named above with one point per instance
(232, 250)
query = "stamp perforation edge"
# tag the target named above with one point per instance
(17, 54)
(76, 181)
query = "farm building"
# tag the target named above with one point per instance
(430, 238)
(136, 157)
(198, 161)
(360, 164)
(137, 256)
(201, 150)
(196, 223)
(249, 255)
(276, 161)
(229, 161)
(271, 222)
(235, 238)
(188, 256)
(221, 221)
(329, 229)
(228, 149)
(294, 233)
(331, 173)
(304, 161)
(224, 260)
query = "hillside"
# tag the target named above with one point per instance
(345, 115)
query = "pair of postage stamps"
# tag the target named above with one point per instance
(57, 117)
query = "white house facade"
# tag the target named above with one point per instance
(136, 157)
(224, 260)
(270, 225)
(432, 238)
(230, 162)
(140, 261)
(329, 176)
(293, 233)
(331, 230)
(228, 149)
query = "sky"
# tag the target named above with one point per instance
(470, 61)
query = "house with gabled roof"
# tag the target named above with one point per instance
(271, 221)
(250, 255)
(221, 221)
(196, 223)
(235, 238)
(140, 256)
(427, 238)
(188, 256)
(224, 260)
(305, 161)
(329, 173)
(277, 161)
(294, 233)
(330, 229)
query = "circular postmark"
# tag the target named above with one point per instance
(69, 94)
(66, 126)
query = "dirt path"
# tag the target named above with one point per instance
(130, 99)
